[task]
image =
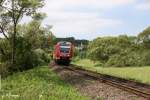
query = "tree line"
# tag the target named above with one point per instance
(75, 42)
(23, 46)
(122, 50)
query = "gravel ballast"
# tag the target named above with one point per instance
(95, 89)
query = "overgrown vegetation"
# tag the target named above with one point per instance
(139, 74)
(122, 50)
(123, 56)
(37, 84)
(24, 46)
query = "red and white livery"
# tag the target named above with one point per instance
(63, 52)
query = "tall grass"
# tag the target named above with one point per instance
(37, 84)
(140, 74)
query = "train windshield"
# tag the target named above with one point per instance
(64, 49)
(65, 44)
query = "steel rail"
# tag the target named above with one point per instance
(110, 80)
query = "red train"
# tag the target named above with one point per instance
(63, 52)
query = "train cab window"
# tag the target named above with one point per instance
(64, 43)
(64, 49)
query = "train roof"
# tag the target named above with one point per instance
(64, 43)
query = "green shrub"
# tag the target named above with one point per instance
(119, 51)
(5, 50)
(125, 58)
(27, 57)
(26, 60)
(42, 56)
(145, 58)
(4, 69)
(30, 59)
(103, 48)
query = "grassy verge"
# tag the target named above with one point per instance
(140, 74)
(37, 84)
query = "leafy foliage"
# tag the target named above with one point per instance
(144, 37)
(12, 11)
(32, 45)
(103, 48)
(125, 59)
(119, 51)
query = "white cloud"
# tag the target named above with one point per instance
(67, 22)
(82, 18)
(69, 19)
(143, 6)
(102, 4)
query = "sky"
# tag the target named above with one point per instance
(88, 19)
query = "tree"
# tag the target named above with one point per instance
(12, 11)
(144, 37)
(37, 35)
(4, 50)
(102, 49)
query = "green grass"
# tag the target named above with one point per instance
(140, 74)
(37, 84)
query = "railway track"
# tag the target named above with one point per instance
(139, 89)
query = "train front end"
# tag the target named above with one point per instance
(63, 53)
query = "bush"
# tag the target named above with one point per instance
(5, 50)
(30, 59)
(145, 58)
(27, 58)
(42, 56)
(118, 51)
(125, 58)
(103, 48)
(4, 69)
